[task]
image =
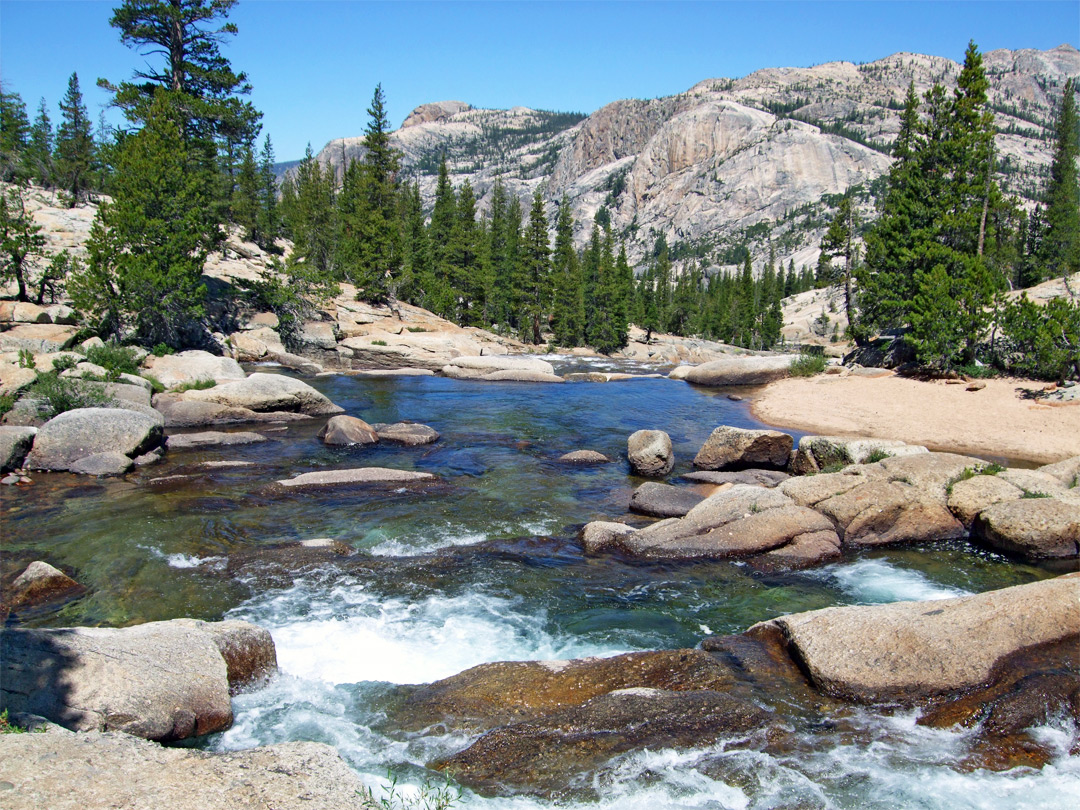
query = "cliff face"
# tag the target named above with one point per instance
(755, 153)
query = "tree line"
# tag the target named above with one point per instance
(948, 244)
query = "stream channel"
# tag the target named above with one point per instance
(486, 567)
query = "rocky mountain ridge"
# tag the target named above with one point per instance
(756, 160)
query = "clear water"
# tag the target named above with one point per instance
(485, 567)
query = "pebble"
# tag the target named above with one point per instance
(734, 397)
(10, 480)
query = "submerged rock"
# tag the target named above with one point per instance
(601, 534)
(40, 583)
(544, 755)
(753, 477)
(501, 367)
(494, 694)
(584, 457)
(180, 413)
(211, 438)
(359, 475)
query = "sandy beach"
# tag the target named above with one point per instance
(995, 421)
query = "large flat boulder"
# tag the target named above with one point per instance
(1032, 528)
(749, 370)
(83, 432)
(194, 365)
(889, 512)
(180, 413)
(212, 438)
(267, 392)
(735, 448)
(908, 651)
(508, 691)
(410, 434)
(427, 350)
(64, 771)
(544, 755)
(501, 367)
(817, 453)
(356, 476)
(650, 453)
(969, 497)
(743, 521)
(160, 680)
(38, 338)
(1066, 471)
(663, 500)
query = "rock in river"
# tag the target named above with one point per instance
(344, 431)
(649, 453)
(737, 448)
(663, 500)
(267, 392)
(908, 651)
(359, 475)
(160, 680)
(74, 435)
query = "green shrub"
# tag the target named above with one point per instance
(6, 726)
(26, 359)
(67, 393)
(378, 343)
(877, 455)
(114, 358)
(64, 362)
(807, 365)
(7, 402)
(978, 372)
(162, 349)
(416, 329)
(1041, 341)
(194, 385)
(156, 385)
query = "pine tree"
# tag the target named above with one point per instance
(14, 135)
(307, 209)
(839, 241)
(268, 216)
(147, 247)
(1060, 245)
(468, 278)
(536, 266)
(442, 294)
(247, 197)
(568, 308)
(39, 149)
(416, 279)
(74, 145)
(21, 241)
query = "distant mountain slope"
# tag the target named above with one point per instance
(757, 160)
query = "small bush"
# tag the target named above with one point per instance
(66, 394)
(114, 358)
(194, 385)
(6, 726)
(1028, 495)
(7, 402)
(64, 362)
(416, 329)
(877, 455)
(378, 343)
(156, 385)
(978, 372)
(162, 349)
(807, 365)
(26, 359)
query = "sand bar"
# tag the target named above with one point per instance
(995, 421)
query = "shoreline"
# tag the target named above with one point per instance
(994, 421)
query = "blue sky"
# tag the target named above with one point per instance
(315, 63)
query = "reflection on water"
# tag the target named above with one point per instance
(485, 567)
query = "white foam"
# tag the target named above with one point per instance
(875, 581)
(347, 635)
